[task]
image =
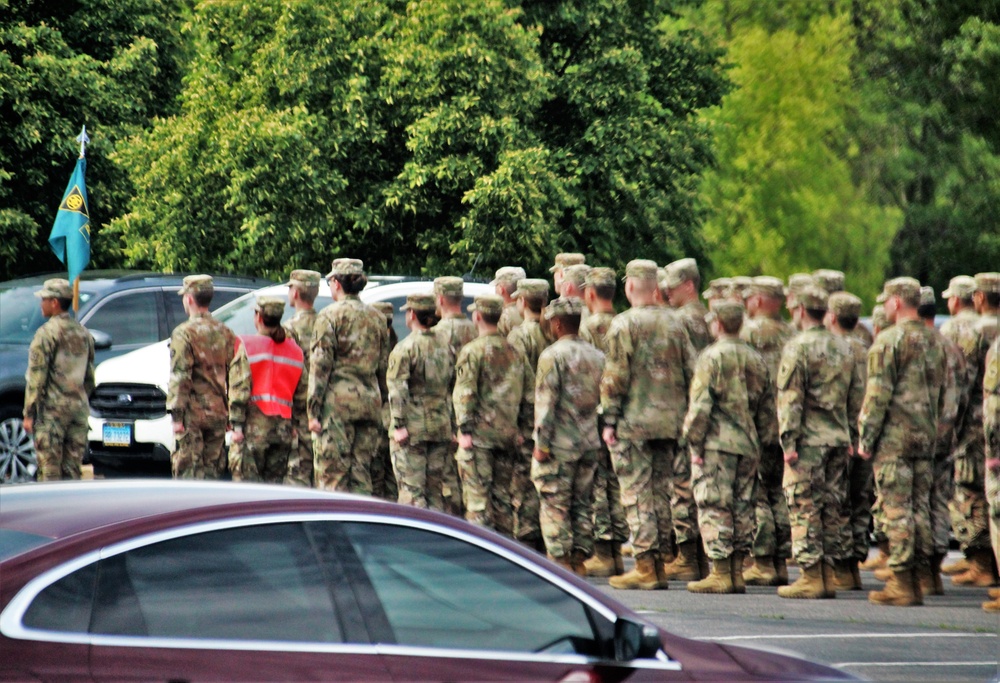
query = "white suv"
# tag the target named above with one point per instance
(130, 430)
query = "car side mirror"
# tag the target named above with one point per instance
(102, 340)
(635, 641)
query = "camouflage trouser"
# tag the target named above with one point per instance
(645, 470)
(453, 484)
(942, 490)
(860, 492)
(683, 509)
(342, 460)
(419, 469)
(609, 516)
(725, 488)
(263, 455)
(565, 485)
(59, 447)
(814, 488)
(524, 497)
(300, 458)
(903, 482)
(969, 513)
(199, 453)
(486, 475)
(993, 496)
(383, 481)
(772, 535)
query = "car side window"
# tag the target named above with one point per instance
(250, 583)
(65, 605)
(130, 319)
(440, 591)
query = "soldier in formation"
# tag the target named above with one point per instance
(303, 288)
(383, 481)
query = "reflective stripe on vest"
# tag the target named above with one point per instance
(275, 370)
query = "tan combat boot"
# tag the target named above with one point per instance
(880, 561)
(578, 560)
(829, 580)
(739, 585)
(980, 571)
(809, 585)
(616, 553)
(565, 562)
(993, 593)
(781, 569)
(602, 564)
(992, 605)
(959, 566)
(762, 573)
(703, 566)
(924, 571)
(719, 580)
(685, 565)
(883, 573)
(900, 591)
(643, 577)
(843, 579)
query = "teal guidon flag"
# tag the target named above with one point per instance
(70, 236)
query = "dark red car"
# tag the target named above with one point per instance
(174, 581)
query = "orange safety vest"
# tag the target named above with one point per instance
(275, 370)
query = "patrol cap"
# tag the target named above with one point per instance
(197, 283)
(879, 318)
(385, 307)
(508, 275)
(490, 304)
(346, 266)
(564, 305)
(270, 306)
(601, 276)
(830, 280)
(960, 287)
(305, 278)
(927, 296)
(718, 287)
(740, 284)
(765, 285)
(679, 272)
(565, 260)
(812, 297)
(844, 304)
(907, 288)
(576, 274)
(641, 269)
(449, 285)
(797, 281)
(56, 288)
(417, 302)
(728, 313)
(988, 282)
(531, 287)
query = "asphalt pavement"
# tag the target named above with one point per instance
(949, 638)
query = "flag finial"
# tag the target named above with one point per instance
(83, 140)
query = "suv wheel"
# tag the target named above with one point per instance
(17, 448)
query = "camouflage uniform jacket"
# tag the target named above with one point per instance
(201, 350)
(905, 391)
(455, 331)
(493, 398)
(731, 399)
(347, 361)
(956, 394)
(768, 337)
(819, 385)
(529, 341)
(860, 352)
(567, 395)
(300, 328)
(961, 329)
(594, 329)
(692, 316)
(991, 401)
(60, 373)
(862, 334)
(510, 318)
(419, 378)
(647, 371)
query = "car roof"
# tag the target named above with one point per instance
(98, 279)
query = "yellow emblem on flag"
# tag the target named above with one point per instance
(75, 202)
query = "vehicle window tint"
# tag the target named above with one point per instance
(251, 583)
(439, 591)
(223, 297)
(175, 310)
(129, 318)
(20, 314)
(65, 605)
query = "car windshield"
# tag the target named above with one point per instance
(16, 542)
(21, 314)
(238, 315)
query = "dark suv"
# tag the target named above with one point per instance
(123, 310)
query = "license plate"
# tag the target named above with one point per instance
(117, 434)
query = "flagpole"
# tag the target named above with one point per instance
(83, 140)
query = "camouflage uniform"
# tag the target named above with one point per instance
(819, 385)
(201, 349)
(644, 397)
(567, 394)
(730, 404)
(300, 460)
(347, 365)
(419, 378)
(59, 379)
(491, 404)
(898, 425)
(508, 276)
(383, 478)
(772, 528)
(991, 428)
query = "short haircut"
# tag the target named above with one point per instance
(993, 299)
(490, 318)
(570, 322)
(816, 314)
(64, 303)
(203, 297)
(927, 311)
(351, 284)
(425, 318)
(509, 286)
(307, 293)
(604, 291)
(731, 325)
(451, 299)
(966, 301)
(847, 322)
(535, 302)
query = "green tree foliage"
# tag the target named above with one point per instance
(422, 137)
(785, 195)
(111, 65)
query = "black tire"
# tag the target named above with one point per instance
(17, 449)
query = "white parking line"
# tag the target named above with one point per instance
(830, 636)
(857, 664)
